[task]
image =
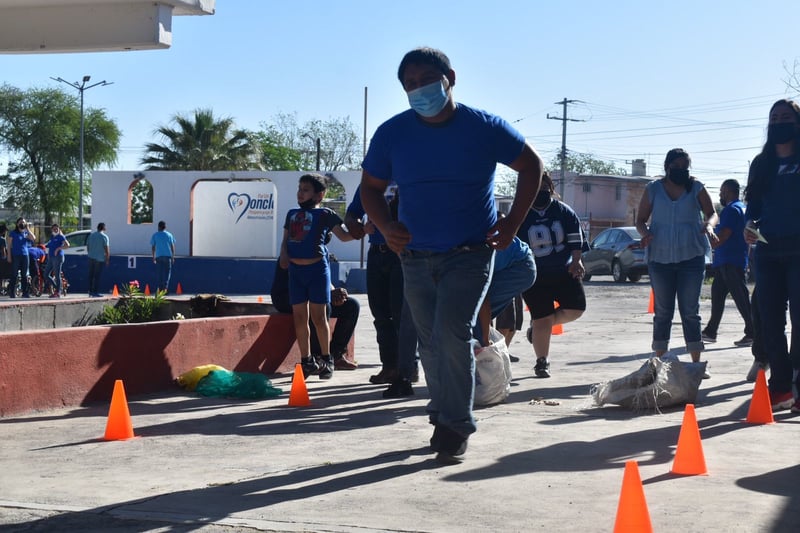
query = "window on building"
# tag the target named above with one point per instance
(587, 187)
(618, 193)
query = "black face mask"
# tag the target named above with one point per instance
(308, 204)
(542, 199)
(678, 176)
(781, 133)
(21, 226)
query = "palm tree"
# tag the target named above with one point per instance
(205, 143)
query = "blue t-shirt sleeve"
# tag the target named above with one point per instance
(378, 162)
(509, 142)
(356, 208)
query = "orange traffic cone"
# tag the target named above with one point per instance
(115, 292)
(557, 329)
(119, 426)
(632, 513)
(147, 290)
(689, 459)
(652, 307)
(760, 411)
(179, 289)
(298, 396)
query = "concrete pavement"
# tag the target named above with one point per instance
(356, 462)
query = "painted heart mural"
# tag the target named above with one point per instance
(239, 204)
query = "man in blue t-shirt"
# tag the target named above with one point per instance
(730, 262)
(98, 253)
(162, 244)
(443, 156)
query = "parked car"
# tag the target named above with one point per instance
(77, 242)
(616, 251)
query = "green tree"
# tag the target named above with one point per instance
(586, 164)
(274, 155)
(202, 142)
(339, 147)
(40, 128)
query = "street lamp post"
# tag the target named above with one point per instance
(318, 147)
(82, 87)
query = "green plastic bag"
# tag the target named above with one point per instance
(236, 385)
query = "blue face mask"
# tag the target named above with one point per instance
(429, 100)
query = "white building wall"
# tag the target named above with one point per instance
(172, 199)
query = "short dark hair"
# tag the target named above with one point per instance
(731, 184)
(101, 226)
(676, 153)
(318, 181)
(424, 56)
(162, 225)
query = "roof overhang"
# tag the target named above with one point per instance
(50, 26)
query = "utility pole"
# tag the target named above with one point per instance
(563, 155)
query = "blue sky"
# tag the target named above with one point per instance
(651, 75)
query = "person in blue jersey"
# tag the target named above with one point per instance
(553, 232)
(773, 187)
(17, 243)
(55, 259)
(344, 309)
(162, 246)
(443, 156)
(677, 239)
(730, 262)
(304, 253)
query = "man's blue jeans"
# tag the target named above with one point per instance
(163, 272)
(684, 280)
(778, 283)
(444, 291)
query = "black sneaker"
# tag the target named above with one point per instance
(326, 368)
(449, 446)
(708, 338)
(399, 389)
(309, 366)
(542, 368)
(744, 342)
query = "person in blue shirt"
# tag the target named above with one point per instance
(443, 156)
(514, 272)
(162, 244)
(730, 262)
(773, 187)
(55, 260)
(17, 243)
(97, 250)
(304, 253)
(553, 232)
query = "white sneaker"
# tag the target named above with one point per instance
(752, 374)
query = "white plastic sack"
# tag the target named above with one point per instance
(658, 383)
(492, 371)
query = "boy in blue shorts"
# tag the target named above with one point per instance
(304, 253)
